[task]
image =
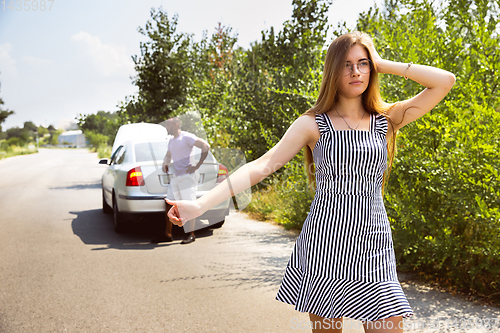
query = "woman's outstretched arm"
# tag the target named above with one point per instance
(438, 83)
(302, 132)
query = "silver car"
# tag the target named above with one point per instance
(135, 183)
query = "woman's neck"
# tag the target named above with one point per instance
(348, 107)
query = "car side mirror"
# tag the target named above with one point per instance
(103, 161)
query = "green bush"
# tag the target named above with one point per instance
(15, 141)
(264, 204)
(443, 194)
(294, 194)
(104, 151)
(96, 140)
(444, 200)
(5, 146)
(105, 123)
(285, 199)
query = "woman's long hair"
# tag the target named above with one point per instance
(333, 72)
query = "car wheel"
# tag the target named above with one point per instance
(106, 209)
(117, 217)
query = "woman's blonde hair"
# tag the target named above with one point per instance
(333, 72)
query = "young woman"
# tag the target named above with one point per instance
(343, 262)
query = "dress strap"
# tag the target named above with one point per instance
(381, 124)
(322, 123)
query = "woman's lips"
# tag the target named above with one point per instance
(356, 82)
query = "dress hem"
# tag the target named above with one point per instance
(338, 298)
(404, 314)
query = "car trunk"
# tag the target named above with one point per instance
(158, 182)
(150, 157)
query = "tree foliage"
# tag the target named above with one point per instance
(100, 128)
(30, 126)
(276, 77)
(164, 70)
(211, 94)
(3, 114)
(22, 135)
(444, 193)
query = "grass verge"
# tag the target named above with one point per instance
(15, 151)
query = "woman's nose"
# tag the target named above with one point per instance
(355, 70)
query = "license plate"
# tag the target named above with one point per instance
(164, 179)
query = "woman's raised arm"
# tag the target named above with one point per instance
(302, 132)
(438, 83)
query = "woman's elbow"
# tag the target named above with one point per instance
(450, 80)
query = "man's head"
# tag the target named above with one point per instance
(173, 126)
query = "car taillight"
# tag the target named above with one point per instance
(222, 174)
(134, 177)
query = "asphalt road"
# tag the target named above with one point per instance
(63, 269)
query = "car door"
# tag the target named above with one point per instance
(109, 176)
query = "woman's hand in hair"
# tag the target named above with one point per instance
(376, 58)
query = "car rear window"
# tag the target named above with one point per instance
(150, 151)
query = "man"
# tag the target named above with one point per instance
(185, 180)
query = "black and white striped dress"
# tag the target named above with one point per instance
(343, 263)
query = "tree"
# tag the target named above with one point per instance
(274, 82)
(211, 88)
(164, 70)
(42, 131)
(3, 114)
(275, 79)
(96, 140)
(31, 128)
(102, 123)
(53, 134)
(21, 135)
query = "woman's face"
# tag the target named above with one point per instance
(355, 82)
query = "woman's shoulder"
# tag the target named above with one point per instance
(309, 120)
(307, 124)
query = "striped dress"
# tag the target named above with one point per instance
(343, 263)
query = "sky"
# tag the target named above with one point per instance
(75, 56)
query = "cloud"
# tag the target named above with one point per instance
(7, 64)
(109, 59)
(35, 61)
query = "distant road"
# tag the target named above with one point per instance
(64, 269)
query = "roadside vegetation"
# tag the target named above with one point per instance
(100, 130)
(23, 140)
(443, 196)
